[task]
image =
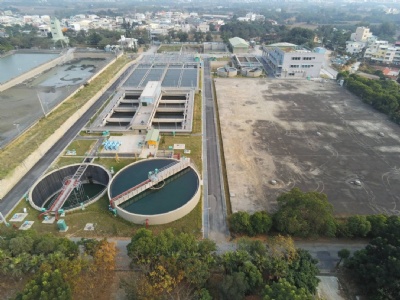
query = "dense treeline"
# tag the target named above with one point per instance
(178, 266)
(307, 215)
(383, 95)
(54, 266)
(377, 267)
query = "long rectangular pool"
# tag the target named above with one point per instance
(16, 64)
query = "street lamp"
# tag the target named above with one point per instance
(17, 125)
(41, 104)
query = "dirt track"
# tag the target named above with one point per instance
(312, 135)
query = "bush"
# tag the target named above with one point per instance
(304, 214)
(261, 222)
(378, 224)
(358, 226)
(239, 222)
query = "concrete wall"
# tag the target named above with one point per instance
(19, 172)
(217, 64)
(163, 218)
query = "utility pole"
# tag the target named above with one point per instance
(41, 104)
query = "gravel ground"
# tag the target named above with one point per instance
(311, 135)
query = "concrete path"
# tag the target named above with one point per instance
(215, 203)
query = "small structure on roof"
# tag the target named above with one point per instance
(152, 138)
(151, 93)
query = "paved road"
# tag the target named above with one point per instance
(215, 197)
(326, 251)
(11, 199)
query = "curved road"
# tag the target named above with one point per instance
(19, 190)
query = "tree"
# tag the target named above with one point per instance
(377, 266)
(183, 36)
(283, 290)
(260, 222)
(94, 38)
(343, 254)
(209, 37)
(172, 263)
(358, 226)
(303, 272)
(20, 245)
(234, 286)
(239, 222)
(378, 224)
(300, 36)
(304, 214)
(46, 286)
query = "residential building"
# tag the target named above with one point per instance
(361, 35)
(381, 51)
(289, 60)
(396, 58)
(354, 47)
(130, 43)
(239, 45)
(203, 27)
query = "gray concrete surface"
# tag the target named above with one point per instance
(216, 205)
(311, 135)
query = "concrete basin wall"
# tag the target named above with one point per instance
(164, 218)
(51, 183)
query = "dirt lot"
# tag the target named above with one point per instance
(312, 135)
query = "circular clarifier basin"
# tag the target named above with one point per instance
(168, 200)
(90, 187)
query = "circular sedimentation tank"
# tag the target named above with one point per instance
(167, 201)
(251, 72)
(227, 71)
(92, 186)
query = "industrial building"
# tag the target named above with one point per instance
(292, 61)
(239, 45)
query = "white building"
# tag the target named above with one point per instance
(151, 93)
(396, 59)
(56, 32)
(354, 47)
(290, 61)
(128, 42)
(381, 51)
(203, 27)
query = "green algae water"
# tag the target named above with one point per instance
(167, 196)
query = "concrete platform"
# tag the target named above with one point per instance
(26, 225)
(18, 217)
(50, 220)
(89, 227)
(130, 144)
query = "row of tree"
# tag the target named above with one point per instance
(377, 267)
(307, 214)
(383, 95)
(178, 266)
(54, 267)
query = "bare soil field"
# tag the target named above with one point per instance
(311, 135)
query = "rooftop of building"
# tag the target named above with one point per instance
(238, 42)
